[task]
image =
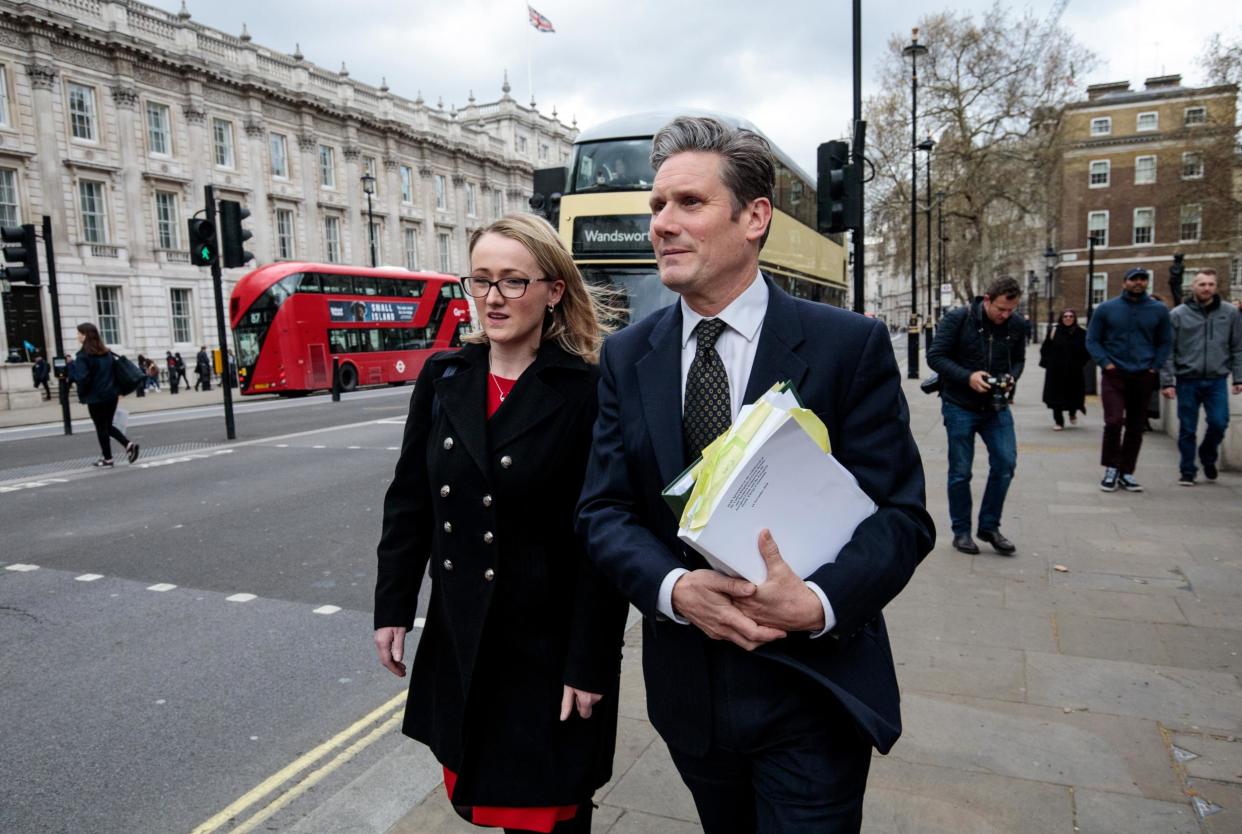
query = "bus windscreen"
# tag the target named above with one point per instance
(615, 165)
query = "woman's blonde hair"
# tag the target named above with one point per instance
(584, 315)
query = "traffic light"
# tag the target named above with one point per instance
(233, 235)
(24, 256)
(839, 190)
(203, 244)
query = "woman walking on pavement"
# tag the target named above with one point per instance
(515, 683)
(1063, 355)
(93, 371)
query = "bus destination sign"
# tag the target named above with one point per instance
(339, 310)
(613, 235)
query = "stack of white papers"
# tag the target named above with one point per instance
(773, 468)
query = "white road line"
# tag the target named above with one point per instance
(21, 568)
(419, 622)
(240, 598)
(89, 577)
(394, 448)
(162, 586)
(391, 422)
(32, 484)
(319, 447)
(282, 445)
(353, 447)
(327, 609)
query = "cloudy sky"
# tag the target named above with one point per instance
(788, 71)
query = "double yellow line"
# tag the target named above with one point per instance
(286, 779)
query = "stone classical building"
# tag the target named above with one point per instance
(114, 115)
(1146, 174)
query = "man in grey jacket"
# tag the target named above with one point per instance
(1207, 347)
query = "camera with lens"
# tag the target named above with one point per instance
(1000, 388)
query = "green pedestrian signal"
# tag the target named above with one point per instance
(202, 242)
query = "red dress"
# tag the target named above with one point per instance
(542, 819)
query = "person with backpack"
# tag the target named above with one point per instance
(94, 371)
(41, 372)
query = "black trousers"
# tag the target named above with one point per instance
(101, 415)
(785, 759)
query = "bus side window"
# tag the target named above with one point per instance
(340, 284)
(309, 282)
(373, 340)
(365, 285)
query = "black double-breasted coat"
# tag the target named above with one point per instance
(517, 609)
(1063, 355)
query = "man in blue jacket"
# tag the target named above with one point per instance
(1130, 338)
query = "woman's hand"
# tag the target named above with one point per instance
(584, 701)
(390, 643)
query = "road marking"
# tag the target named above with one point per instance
(89, 577)
(419, 622)
(162, 586)
(327, 609)
(394, 448)
(240, 598)
(282, 445)
(182, 459)
(33, 484)
(319, 447)
(18, 566)
(391, 422)
(353, 447)
(306, 760)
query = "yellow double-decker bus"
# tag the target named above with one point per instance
(605, 218)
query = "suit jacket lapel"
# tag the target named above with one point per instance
(775, 359)
(659, 388)
(463, 396)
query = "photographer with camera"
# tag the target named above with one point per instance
(979, 352)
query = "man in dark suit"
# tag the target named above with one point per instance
(770, 697)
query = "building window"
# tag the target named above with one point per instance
(543, 152)
(1147, 121)
(284, 234)
(332, 239)
(1102, 126)
(1191, 227)
(375, 234)
(472, 203)
(441, 192)
(280, 156)
(327, 167)
(1195, 116)
(1144, 225)
(159, 129)
(166, 225)
(182, 321)
(10, 211)
(222, 130)
(1099, 286)
(108, 314)
(1099, 173)
(368, 167)
(1235, 276)
(1144, 170)
(94, 215)
(1097, 227)
(1192, 166)
(498, 204)
(82, 112)
(446, 252)
(521, 144)
(407, 184)
(5, 119)
(410, 238)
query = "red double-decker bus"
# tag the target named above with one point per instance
(290, 320)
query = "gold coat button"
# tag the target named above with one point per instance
(488, 538)
(487, 500)
(448, 564)
(448, 443)
(444, 491)
(448, 527)
(489, 574)
(506, 461)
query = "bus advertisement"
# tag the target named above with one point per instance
(604, 218)
(291, 320)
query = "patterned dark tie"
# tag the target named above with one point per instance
(707, 412)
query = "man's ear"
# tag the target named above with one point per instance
(758, 218)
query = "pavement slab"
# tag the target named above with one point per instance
(1222, 804)
(1217, 759)
(1119, 605)
(652, 786)
(982, 625)
(960, 669)
(1099, 812)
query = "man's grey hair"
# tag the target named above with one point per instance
(746, 168)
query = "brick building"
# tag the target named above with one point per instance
(1145, 174)
(114, 115)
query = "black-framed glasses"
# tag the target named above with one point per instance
(512, 287)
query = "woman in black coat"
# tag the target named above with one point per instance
(515, 681)
(93, 371)
(1063, 355)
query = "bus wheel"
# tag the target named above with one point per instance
(349, 377)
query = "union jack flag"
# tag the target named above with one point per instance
(539, 21)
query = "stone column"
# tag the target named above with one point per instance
(202, 154)
(392, 199)
(308, 144)
(51, 167)
(356, 216)
(260, 212)
(139, 244)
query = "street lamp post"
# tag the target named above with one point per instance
(1050, 258)
(913, 51)
(368, 188)
(1032, 278)
(929, 321)
(940, 197)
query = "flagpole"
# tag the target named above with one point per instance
(530, 55)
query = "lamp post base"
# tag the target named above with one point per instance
(912, 347)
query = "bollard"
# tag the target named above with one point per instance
(336, 379)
